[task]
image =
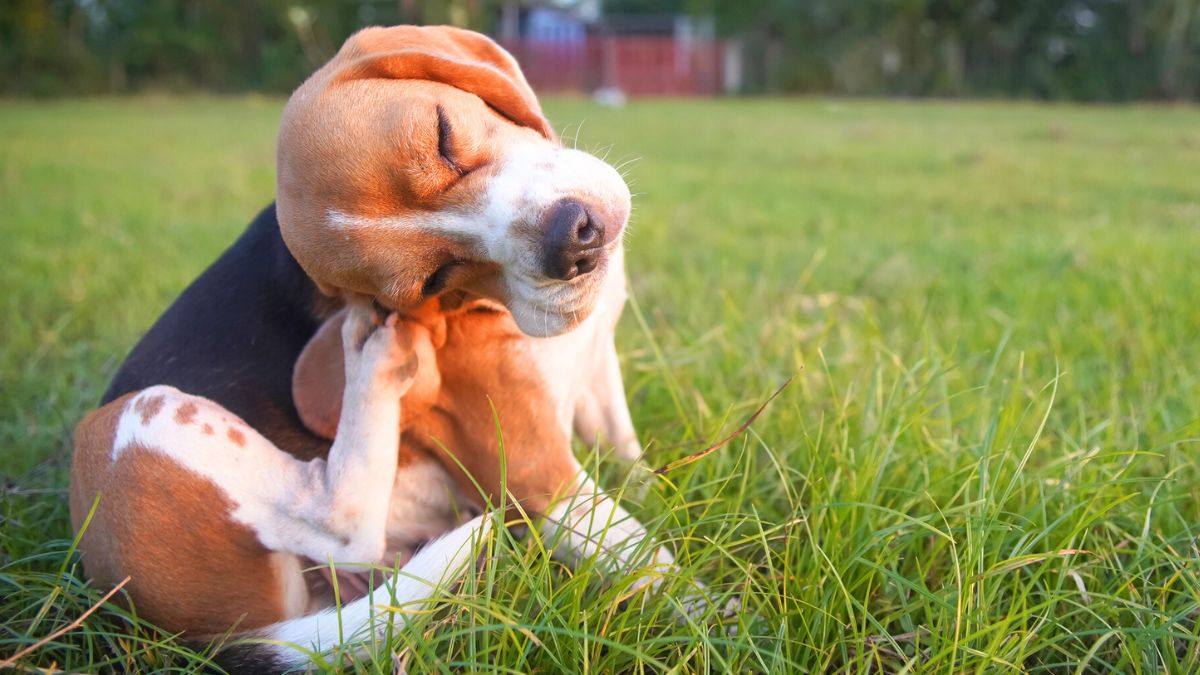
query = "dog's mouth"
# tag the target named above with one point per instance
(549, 309)
(540, 307)
(540, 322)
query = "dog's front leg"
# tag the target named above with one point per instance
(342, 506)
(589, 524)
(602, 412)
(592, 525)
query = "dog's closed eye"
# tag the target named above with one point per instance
(446, 142)
(436, 282)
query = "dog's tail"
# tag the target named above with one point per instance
(287, 645)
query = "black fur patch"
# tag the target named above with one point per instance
(233, 336)
(253, 659)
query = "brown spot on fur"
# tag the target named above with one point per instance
(238, 438)
(186, 413)
(192, 567)
(148, 407)
(207, 429)
(409, 456)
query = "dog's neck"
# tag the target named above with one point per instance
(233, 337)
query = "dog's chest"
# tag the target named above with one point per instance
(425, 504)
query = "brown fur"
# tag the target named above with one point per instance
(191, 566)
(487, 361)
(466, 59)
(484, 361)
(237, 437)
(186, 413)
(148, 408)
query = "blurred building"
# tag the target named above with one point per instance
(578, 48)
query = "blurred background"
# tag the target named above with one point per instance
(988, 306)
(1096, 50)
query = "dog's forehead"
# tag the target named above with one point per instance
(374, 151)
(409, 101)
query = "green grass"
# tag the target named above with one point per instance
(987, 459)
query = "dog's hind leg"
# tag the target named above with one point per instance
(199, 509)
(321, 509)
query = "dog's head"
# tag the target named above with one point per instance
(417, 162)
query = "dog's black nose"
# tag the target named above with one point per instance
(574, 240)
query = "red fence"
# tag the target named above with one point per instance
(638, 66)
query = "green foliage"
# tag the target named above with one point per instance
(1053, 49)
(51, 47)
(1056, 49)
(987, 459)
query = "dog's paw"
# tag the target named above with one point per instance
(699, 607)
(380, 353)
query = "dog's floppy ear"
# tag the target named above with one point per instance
(319, 377)
(460, 58)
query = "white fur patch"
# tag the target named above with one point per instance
(590, 524)
(426, 503)
(418, 582)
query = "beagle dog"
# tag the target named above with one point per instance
(274, 419)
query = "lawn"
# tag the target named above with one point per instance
(987, 458)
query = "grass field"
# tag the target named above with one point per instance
(987, 459)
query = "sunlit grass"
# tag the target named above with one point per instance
(987, 458)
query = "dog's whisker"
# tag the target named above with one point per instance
(579, 132)
(628, 162)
